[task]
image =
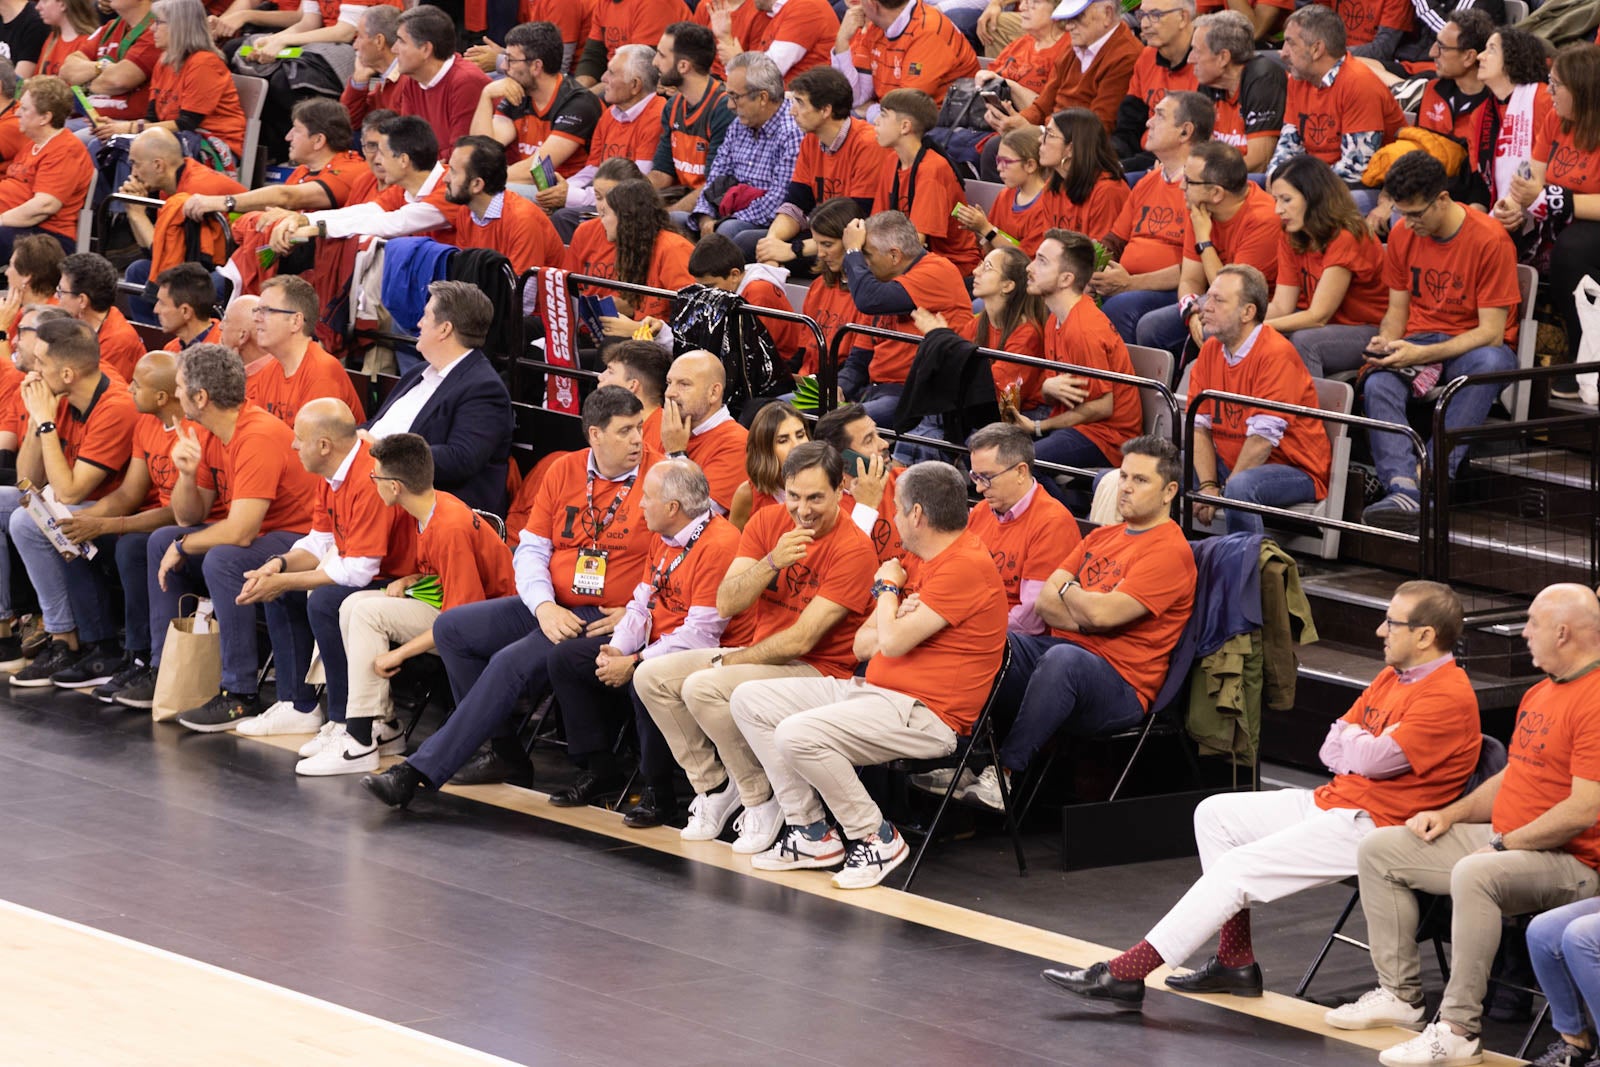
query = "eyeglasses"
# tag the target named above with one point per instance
(739, 98)
(1006, 161)
(510, 59)
(1416, 215)
(375, 476)
(984, 481)
(1555, 83)
(1157, 16)
(261, 311)
(1439, 46)
(1395, 624)
(1185, 179)
(66, 292)
(27, 329)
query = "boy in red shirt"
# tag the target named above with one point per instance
(717, 262)
(922, 185)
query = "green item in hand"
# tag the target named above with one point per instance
(429, 591)
(807, 396)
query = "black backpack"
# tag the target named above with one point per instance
(719, 322)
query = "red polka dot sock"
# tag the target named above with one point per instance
(1233, 945)
(1135, 964)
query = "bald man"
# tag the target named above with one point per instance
(356, 542)
(695, 423)
(239, 333)
(1524, 841)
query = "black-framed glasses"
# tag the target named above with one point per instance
(1442, 47)
(1416, 215)
(375, 476)
(510, 59)
(984, 481)
(739, 98)
(66, 292)
(261, 311)
(1395, 624)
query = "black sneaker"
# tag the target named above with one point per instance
(55, 656)
(1565, 387)
(138, 692)
(95, 667)
(11, 657)
(222, 712)
(1563, 1054)
(131, 666)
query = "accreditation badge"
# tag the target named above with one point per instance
(589, 576)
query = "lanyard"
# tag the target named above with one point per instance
(659, 577)
(133, 34)
(611, 512)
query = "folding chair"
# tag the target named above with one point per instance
(252, 99)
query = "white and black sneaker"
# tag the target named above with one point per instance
(55, 656)
(95, 667)
(870, 860)
(390, 737)
(794, 851)
(342, 754)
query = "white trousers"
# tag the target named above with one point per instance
(1255, 848)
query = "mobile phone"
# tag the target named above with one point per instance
(855, 463)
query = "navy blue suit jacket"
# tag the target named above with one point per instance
(468, 421)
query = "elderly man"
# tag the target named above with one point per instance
(695, 423)
(1524, 841)
(749, 177)
(375, 82)
(629, 128)
(239, 333)
(1247, 89)
(1167, 27)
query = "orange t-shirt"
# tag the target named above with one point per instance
(590, 253)
(1448, 281)
(838, 566)
(1364, 18)
(885, 537)
(828, 306)
(929, 54)
(1031, 546)
(1153, 224)
(522, 233)
(1152, 79)
(1556, 739)
(121, 347)
(1367, 298)
(1567, 165)
(927, 198)
(259, 463)
(1024, 62)
(790, 337)
(571, 17)
(1435, 722)
(1356, 102)
(12, 139)
(362, 525)
(934, 283)
(853, 170)
(1025, 340)
(619, 22)
(951, 671)
(634, 140)
(810, 24)
(101, 436)
(56, 50)
(1096, 216)
(464, 552)
(204, 86)
(338, 178)
(719, 453)
(61, 168)
(120, 41)
(1156, 568)
(1272, 371)
(1251, 236)
(741, 19)
(1027, 223)
(1087, 339)
(152, 444)
(565, 514)
(318, 375)
(683, 578)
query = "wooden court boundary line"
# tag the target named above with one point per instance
(908, 907)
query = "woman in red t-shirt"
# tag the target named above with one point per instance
(647, 251)
(71, 22)
(1012, 321)
(1330, 296)
(1021, 210)
(774, 432)
(828, 302)
(1087, 188)
(1029, 60)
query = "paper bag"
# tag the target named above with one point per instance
(191, 668)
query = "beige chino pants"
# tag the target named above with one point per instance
(371, 621)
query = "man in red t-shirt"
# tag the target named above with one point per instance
(869, 474)
(629, 128)
(483, 214)
(88, 291)
(1409, 742)
(927, 52)
(1524, 841)
(802, 575)
(536, 112)
(1453, 297)
(300, 371)
(579, 559)
(116, 72)
(695, 423)
(1251, 454)
(1163, 67)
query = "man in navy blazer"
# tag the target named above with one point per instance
(455, 401)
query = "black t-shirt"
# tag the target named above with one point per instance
(573, 111)
(22, 39)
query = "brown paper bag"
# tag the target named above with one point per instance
(191, 668)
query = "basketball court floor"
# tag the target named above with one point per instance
(172, 898)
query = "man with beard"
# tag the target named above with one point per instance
(696, 116)
(535, 111)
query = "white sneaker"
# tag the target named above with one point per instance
(794, 851)
(329, 731)
(342, 754)
(937, 780)
(281, 718)
(984, 790)
(1436, 1046)
(390, 737)
(870, 860)
(709, 814)
(758, 828)
(1377, 1007)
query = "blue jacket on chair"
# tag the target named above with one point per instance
(468, 421)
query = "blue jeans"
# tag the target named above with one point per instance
(1163, 328)
(1275, 484)
(1329, 350)
(1384, 396)
(294, 621)
(880, 400)
(88, 593)
(47, 570)
(494, 652)
(1126, 309)
(744, 234)
(221, 571)
(1063, 686)
(10, 503)
(1564, 944)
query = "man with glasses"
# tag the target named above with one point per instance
(301, 370)
(540, 114)
(1247, 89)
(1095, 74)
(1453, 294)
(1451, 100)
(88, 292)
(1408, 743)
(1163, 67)
(747, 180)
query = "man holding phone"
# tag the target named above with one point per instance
(1452, 278)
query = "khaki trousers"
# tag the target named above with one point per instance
(812, 733)
(1007, 29)
(1483, 887)
(688, 699)
(371, 621)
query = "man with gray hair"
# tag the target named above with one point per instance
(629, 128)
(748, 178)
(1248, 89)
(932, 644)
(673, 609)
(375, 82)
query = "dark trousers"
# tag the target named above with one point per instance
(295, 620)
(494, 652)
(592, 711)
(1576, 253)
(1063, 686)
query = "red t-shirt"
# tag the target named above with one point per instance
(1025, 340)
(56, 51)
(121, 347)
(1356, 102)
(683, 578)
(1556, 739)
(573, 519)
(1367, 298)
(591, 253)
(1364, 18)
(523, 233)
(61, 168)
(1087, 339)
(1152, 79)
(929, 54)
(1272, 371)
(204, 86)
(810, 24)
(152, 445)
(1448, 281)
(634, 140)
(1154, 224)
(619, 22)
(934, 283)
(318, 375)
(117, 41)
(338, 178)
(854, 170)
(828, 306)
(1567, 165)
(1435, 722)
(927, 200)
(259, 463)
(1027, 223)
(719, 453)
(1024, 62)
(951, 672)
(838, 567)
(102, 436)
(1095, 216)
(12, 139)
(362, 525)
(1031, 546)
(1251, 236)
(885, 537)
(464, 552)
(1156, 568)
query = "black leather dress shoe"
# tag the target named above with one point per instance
(490, 768)
(1095, 983)
(395, 786)
(656, 807)
(1213, 977)
(586, 790)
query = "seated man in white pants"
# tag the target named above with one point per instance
(1408, 743)
(932, 645)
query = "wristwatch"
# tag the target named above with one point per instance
(1498, 842)
(1201, 246)
(229, 203)
(880, 588)
(45, 427)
